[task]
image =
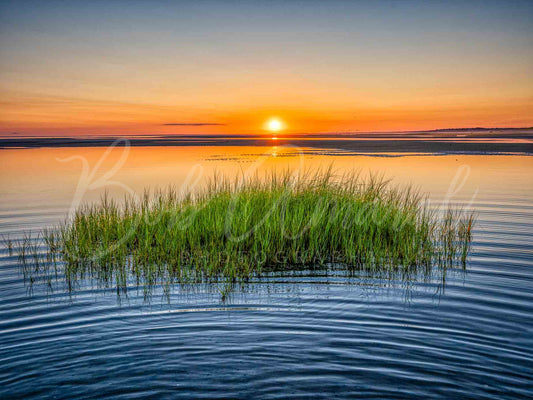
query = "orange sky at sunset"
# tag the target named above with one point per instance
(348, 67)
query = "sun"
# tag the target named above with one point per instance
(274, 125)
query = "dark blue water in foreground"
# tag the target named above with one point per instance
(310, 334)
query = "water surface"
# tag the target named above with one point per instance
(311, 333)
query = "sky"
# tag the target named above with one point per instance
(227, 67)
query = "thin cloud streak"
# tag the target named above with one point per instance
(194, 124)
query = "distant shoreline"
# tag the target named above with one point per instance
(509, 141)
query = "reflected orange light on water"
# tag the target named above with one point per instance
(41, 171)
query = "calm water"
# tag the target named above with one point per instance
(319, 334)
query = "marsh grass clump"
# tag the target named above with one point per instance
(234, 230)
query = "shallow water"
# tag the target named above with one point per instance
(314, 333)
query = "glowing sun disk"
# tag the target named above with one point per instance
(275, 125)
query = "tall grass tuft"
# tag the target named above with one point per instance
(234, 230)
